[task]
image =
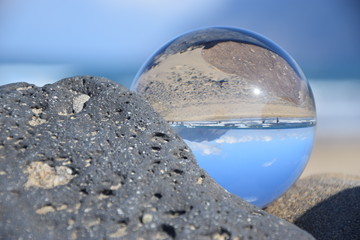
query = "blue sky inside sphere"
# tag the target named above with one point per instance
(257, 164)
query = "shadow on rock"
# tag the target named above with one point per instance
(337, 217)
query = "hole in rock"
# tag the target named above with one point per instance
(176, 213)
(84, 191)
(158, 136)
(108, 192)
(178, 171)
(155, 148)
(169, 230)
(222, 234)
(158, 195)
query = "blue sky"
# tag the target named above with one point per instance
(111, 38)
(258, 165)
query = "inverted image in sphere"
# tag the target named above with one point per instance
(222, 73)
(240, 102)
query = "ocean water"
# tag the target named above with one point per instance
(257, 164)
(337, 107)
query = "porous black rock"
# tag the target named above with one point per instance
(85, 158)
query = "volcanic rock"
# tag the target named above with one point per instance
(85, 158)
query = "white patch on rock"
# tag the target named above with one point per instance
(79, 101)
(42, 175)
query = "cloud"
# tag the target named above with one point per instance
(247, 138)
(269, 163)
(204, 148)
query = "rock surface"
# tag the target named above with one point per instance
(326, 205)
(84, 158)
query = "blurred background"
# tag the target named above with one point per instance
(44, 41)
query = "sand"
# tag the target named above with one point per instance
(325, 205)
(186, 87)
(334, 155)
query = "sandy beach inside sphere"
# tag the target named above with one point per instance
(207, 84)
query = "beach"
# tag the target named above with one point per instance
(334, 155)
(337, 141)
(198, 85)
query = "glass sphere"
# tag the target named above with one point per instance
(240, 102)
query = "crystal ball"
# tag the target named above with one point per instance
(240, 102)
